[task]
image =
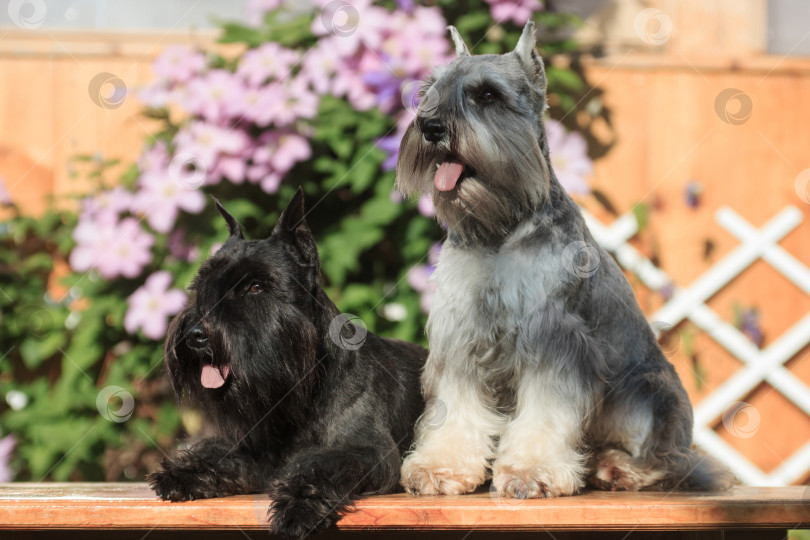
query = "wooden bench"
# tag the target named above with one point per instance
(73, 510)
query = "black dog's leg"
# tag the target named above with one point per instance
(210, 468)
(311, 491)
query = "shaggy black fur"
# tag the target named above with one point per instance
(310, 411)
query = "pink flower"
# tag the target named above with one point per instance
(106, 207)
(6, 448)
(517, 11)
(282, 150)
(209, 95)
(268, 61)
(205, 142)
(178, 63)
(232, 168)
(298, 102)
(419, 279)
(154, 158)
(179, 249)
(258, 105)
(160, 197)
(114, 249)
(430, 20)
(270, 182)
(425, 206)
(419, 276)
(278, 103)
(320, 65)
(151, 305)
(417, 42)
(155, 95)
(569, 157)
(355, 23)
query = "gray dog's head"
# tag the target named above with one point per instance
(477, 144)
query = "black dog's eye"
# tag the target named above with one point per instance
(255, 287)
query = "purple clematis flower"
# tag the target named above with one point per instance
(114, 249)
(569, 158)
(152, 304)
(6, 448)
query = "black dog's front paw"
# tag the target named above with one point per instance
(169, 486)
(176, 484)
(299, 508)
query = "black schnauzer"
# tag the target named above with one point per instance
(307, 408)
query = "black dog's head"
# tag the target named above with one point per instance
(246, 344)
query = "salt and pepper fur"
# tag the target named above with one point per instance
(542, 365)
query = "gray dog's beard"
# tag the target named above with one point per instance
(504, 179)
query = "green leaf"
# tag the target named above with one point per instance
(239, 33)
(565, 77)
(472, 22)
(641, 211)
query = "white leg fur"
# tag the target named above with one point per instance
(454, 441)
(537, 453)
(451, 456)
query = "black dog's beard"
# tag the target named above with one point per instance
(505, 178)
(271, 375)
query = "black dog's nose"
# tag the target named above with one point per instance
(434, 130)
(197, 338)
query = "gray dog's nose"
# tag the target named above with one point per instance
(434, 130)
(197, 338)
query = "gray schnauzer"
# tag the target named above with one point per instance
(541, 364)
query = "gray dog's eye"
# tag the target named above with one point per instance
(488, 95)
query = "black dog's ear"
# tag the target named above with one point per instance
(233, 225)
(292, 227)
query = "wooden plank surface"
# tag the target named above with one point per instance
(134, 506)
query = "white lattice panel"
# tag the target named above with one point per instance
(759, 365)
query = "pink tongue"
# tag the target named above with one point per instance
(447, 175)
(214, 377)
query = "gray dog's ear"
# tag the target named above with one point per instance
(233, 226)
(461, 47)
(529, 59)
(292, 227)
